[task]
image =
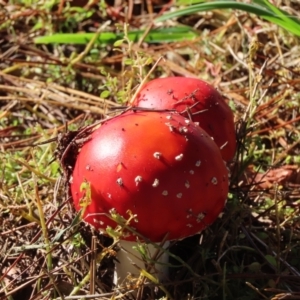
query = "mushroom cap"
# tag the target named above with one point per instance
(160, 166)
(199, 101)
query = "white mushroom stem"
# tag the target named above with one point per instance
(131, 261)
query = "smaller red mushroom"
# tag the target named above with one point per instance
(197, 100)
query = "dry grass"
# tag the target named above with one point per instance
(253, 252)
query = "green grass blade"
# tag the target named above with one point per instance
(211, 5)
(188, 2)
(287, 18)
(265, 10)
(163, 35)
(75, 38)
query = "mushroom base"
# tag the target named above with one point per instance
(131, 261)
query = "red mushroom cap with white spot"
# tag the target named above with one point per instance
(162, 167)
(199, 100)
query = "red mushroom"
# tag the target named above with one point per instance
(159, 165)
(196, 99)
